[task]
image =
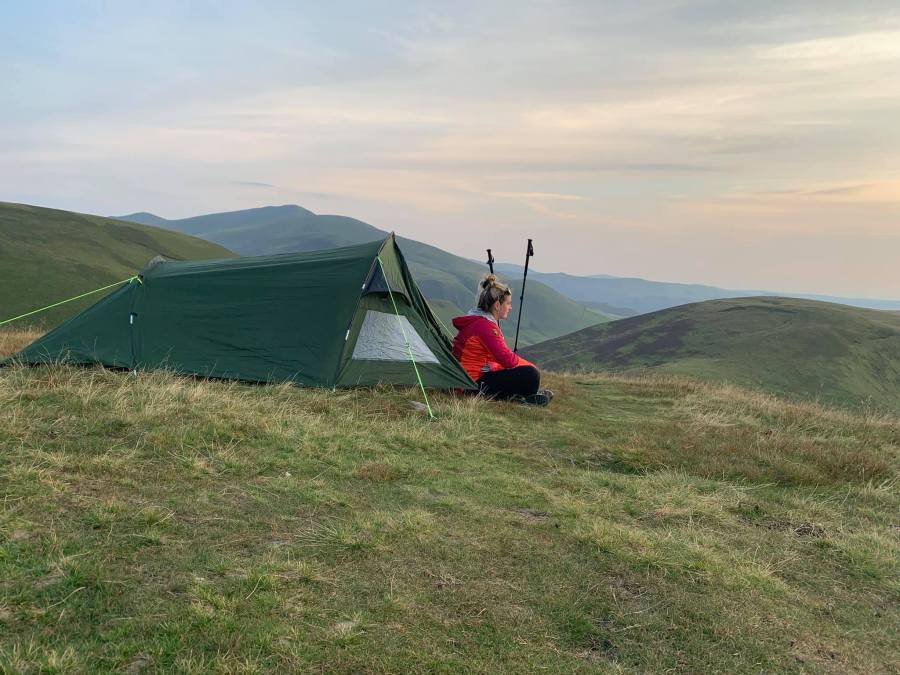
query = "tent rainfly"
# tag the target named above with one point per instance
(338, 318)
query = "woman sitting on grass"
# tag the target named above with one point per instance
(480, 348)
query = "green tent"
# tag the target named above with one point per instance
(337, 318)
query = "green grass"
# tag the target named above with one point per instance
(160, 523)
(799, 348)
(47, 255)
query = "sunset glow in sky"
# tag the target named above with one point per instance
(742, 144)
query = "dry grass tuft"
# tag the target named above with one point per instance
(14, 339)
(378, 472)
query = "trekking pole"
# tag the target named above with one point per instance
(490, 260)
(528, 254)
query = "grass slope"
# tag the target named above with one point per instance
(805, 348)
(157, 523)
(448, 281)
(47, 255)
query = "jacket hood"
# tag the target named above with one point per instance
(471, 317)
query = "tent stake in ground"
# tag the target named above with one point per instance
(528, 254)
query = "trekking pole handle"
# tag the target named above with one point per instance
(490, 260)
(528, 254)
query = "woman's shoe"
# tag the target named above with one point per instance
(540, 398)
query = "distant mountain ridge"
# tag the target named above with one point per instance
(143, 218)
(448, 281)
(633, 295)
(218, 222)
(802, 348)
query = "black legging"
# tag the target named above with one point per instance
(518, 381)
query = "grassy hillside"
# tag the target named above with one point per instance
(47, 255)
(804, 348)
(155, 523)
(448, 281)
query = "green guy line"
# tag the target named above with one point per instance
(77, 297)
(403, 330)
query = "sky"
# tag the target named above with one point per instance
(741, 144)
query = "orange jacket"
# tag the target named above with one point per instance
(480, 348)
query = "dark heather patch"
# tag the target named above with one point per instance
(608, 350)
(666, 342)
(765, 309)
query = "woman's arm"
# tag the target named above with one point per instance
(493, 339)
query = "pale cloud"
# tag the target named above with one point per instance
(285, 110)
(547, 210)
(859, 49)
(553, 196)
(537, 201)
(405, 189)
(864, 191)
(252, 184)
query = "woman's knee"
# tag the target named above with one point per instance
(532, 375)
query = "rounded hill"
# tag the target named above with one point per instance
(48, 255)
(804, 348)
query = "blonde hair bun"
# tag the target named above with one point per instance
(488, 280)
